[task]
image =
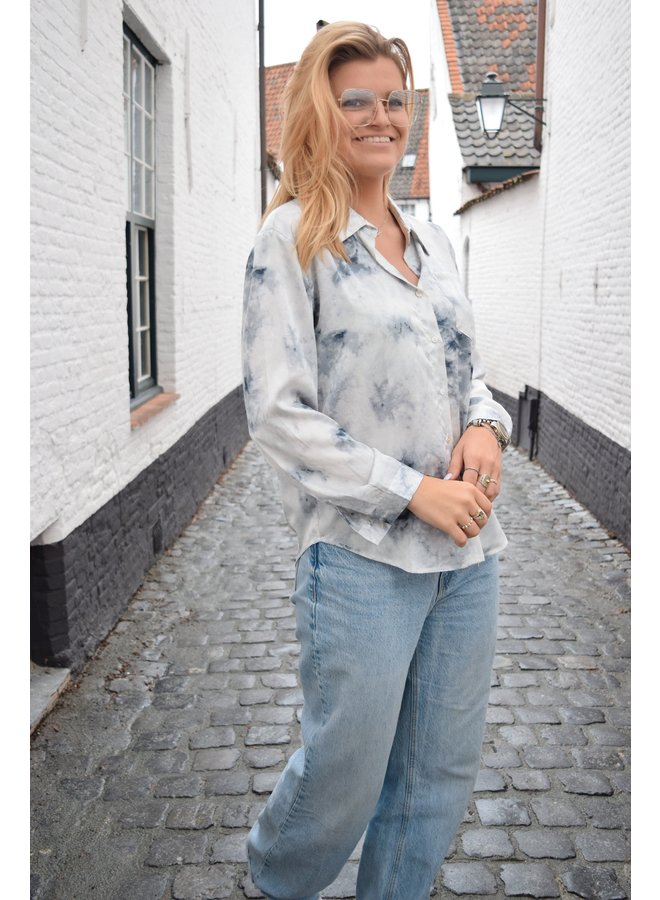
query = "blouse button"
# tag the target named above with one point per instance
(435, 340)
(419, 293)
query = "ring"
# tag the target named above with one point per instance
(465, 527)
(480, 514)
(471, 469)
(485, 480)
(492, 481)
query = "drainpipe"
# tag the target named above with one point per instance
(262, 109)
(540, 72)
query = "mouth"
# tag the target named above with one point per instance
(375, 139)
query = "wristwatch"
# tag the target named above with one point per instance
(501, 434)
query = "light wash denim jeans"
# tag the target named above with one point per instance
(395, 669)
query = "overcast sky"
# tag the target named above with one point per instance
(290, 24)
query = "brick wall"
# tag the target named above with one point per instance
(83, 449)
(585, 363)
(81, 584)
(106, 498)
(549, 264)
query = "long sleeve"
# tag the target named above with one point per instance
(357, 383)
(369, 488)
(482, 405)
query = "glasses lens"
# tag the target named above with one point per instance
(403, 107)
(358, 105)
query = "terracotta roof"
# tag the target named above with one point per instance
(412, 182)
(493, 192)
(407, 182)
(483, 36)
(276, 80)
(450, 47)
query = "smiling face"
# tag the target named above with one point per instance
(371, 151)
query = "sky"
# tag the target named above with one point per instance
(290, 24)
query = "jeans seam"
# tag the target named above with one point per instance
(315, 652)
(410, 777)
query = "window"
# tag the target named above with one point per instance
(408, 161)
(408, 208)
(139, 154)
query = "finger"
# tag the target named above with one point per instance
(455, 464)
(493, 487)
(469, 528)
(471, 474)
(480, 517)
(487, 483)
(493, 490)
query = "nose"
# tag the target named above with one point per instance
(381, 116)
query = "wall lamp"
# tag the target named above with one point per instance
(492, 102)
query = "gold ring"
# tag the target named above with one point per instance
(480, 514)
(471, 469)
(485, 480)
(465, 527)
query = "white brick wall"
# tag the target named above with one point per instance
(586, 328)
(504, 278)
(445, 160)
(550, 260)
(83, 449)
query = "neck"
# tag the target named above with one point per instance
(370, 202)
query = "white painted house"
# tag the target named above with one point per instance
(542, 232)
(145, 200)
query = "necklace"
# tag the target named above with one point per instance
(380, 227)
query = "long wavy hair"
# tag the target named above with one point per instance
(313, 171)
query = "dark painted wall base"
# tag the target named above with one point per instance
(593, 468)
(82, 584)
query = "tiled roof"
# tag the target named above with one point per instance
(407, 182)
(412, 182)
(504, 186)
(512, 146)
(483, 36)
(276, 80)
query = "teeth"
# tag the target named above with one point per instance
(377, 139)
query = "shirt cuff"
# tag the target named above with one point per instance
(396, 483)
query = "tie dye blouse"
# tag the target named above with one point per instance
(358, 382)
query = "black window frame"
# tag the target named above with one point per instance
(147, 388)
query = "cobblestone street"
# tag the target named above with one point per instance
(147, 775)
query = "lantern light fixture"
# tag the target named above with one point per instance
(492, 103)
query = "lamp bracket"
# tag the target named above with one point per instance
(539, 101)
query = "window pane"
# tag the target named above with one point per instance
(138, 125)
(149, 193)
(144, 303)
(143, 257)
(127, 66)
(136, 69)
(148, 141)
(127, 125)
(128, 183)
(148, 87)
(145, 355)
(138, 190)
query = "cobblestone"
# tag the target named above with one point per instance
(147, 777)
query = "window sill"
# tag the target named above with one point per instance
(151, 408)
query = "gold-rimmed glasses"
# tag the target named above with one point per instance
(359, 106)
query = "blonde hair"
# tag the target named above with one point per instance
(313, 171)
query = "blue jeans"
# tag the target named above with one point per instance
(395, 670)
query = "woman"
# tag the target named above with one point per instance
(364, 390)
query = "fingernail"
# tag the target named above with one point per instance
(448, 477)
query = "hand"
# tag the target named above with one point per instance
(477, 455)
(449, 504)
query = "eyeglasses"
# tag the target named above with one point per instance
(360, 106)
